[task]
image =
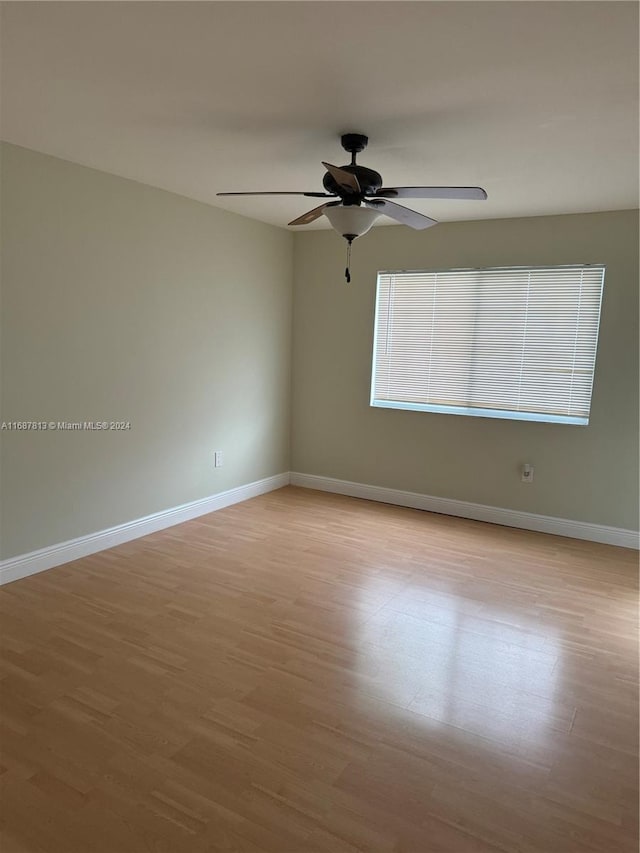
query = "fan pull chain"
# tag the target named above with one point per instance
(347, 273)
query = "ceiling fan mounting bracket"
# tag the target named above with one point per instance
(354, 143)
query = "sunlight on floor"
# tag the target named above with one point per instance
(436, 655)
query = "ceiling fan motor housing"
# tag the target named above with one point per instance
(370, 182)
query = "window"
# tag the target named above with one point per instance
(508, 342)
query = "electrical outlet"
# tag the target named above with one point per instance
(527, 473)
(218, 459)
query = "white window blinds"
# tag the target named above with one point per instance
(507, 342)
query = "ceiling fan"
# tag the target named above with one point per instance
(362, 198)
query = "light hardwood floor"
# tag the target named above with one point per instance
(306, 672)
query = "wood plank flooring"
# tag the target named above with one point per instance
(307, 672)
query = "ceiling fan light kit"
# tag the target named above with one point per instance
(362, 198)
(351, 221)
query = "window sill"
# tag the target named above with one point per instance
(481, 413)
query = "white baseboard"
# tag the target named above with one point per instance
(47, 558)
(479, 512)
(56, 555)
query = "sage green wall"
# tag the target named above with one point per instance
(124, 302)
(581, 473)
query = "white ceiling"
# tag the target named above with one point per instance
(535, 101)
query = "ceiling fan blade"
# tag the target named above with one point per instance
(314, 195)
(396, 211)
(432, 192)
(344, 179)
(310, 215)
